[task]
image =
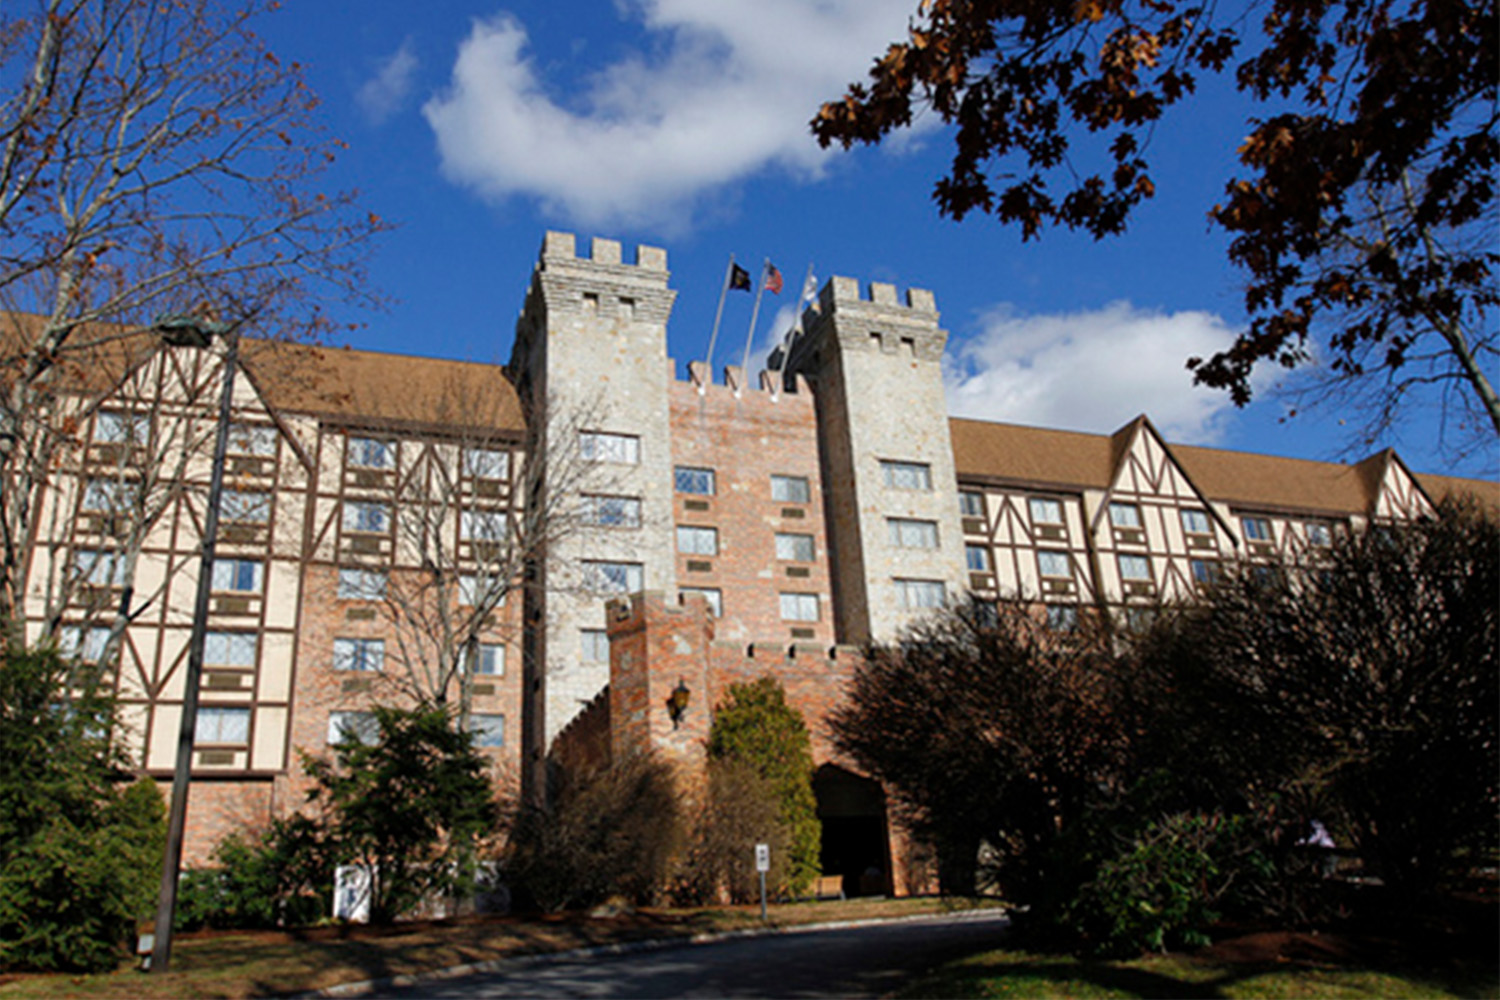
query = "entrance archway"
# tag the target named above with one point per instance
(856, 841)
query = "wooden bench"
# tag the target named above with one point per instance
(829, 887)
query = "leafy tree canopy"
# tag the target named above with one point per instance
(1367, 200)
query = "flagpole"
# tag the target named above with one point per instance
(754, 315)
(802, 300)
(719, 315)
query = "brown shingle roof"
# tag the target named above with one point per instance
(363, 387)
(1031, 454)
(1069, 459)
(358, 387)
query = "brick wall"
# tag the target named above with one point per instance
(745, 436)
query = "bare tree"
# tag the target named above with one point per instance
(154, 156)
(471, 522)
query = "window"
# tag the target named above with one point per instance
(1124, 515)
(486, 463)
(1135, 568)
(712, 595)
(1204, 570)
(907, 475)
(594, 645)
(252, 508)
(239, 575)
(1045, 510)
(1195, 522)
(222, 725)
(486, 588)
(698, 481)
(361, 584)
(1062, 617)
(971, 504)
(1319, 534)
(790, 489)
(601, 446)
(799, 607)
(363, 516)
(794, 548)
(697, 541)
(229, 649)
(1055, 564)
(371, 453)
(977, 558)
(488, 729)
(614, 577)
(352, 727)
(1257, 529)
(85, 644)
(907, 533)
(108, 495)
(482, 525)
(922, 593)
(252, 439)
(100, 568)
(490, 660)
(366, 655)
(114, 427)
(612, 512)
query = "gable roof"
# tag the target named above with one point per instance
(1036, 457)
(356, 387)
(389, 390)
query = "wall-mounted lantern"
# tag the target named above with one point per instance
(677, 702)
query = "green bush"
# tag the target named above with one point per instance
(757, 727)
(283, 878)
(80, 850)
(1170, 886)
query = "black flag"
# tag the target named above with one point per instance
(739, 278)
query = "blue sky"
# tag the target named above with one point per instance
(476, 126)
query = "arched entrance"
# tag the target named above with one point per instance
(856, 842)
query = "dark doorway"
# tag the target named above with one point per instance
(856, 845)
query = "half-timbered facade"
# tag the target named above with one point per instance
(380, 514)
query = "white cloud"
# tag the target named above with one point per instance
(1091, 370)
(727, 91)
(383, 94)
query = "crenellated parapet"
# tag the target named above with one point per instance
(737, 389)
(602, 283)
(878, 322)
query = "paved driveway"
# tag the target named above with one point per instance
(867, 961)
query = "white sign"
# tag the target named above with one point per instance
(762, 857)
(351, 894)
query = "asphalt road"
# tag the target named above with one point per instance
(868, 961)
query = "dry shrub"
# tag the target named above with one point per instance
(741, 809)
(610, 831)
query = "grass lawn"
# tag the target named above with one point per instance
(1025, 974)
(245, 964)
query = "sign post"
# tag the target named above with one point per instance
(762, 865)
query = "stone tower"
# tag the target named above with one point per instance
(591, 363)
(875, 366)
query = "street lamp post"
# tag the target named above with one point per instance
(189, 331)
